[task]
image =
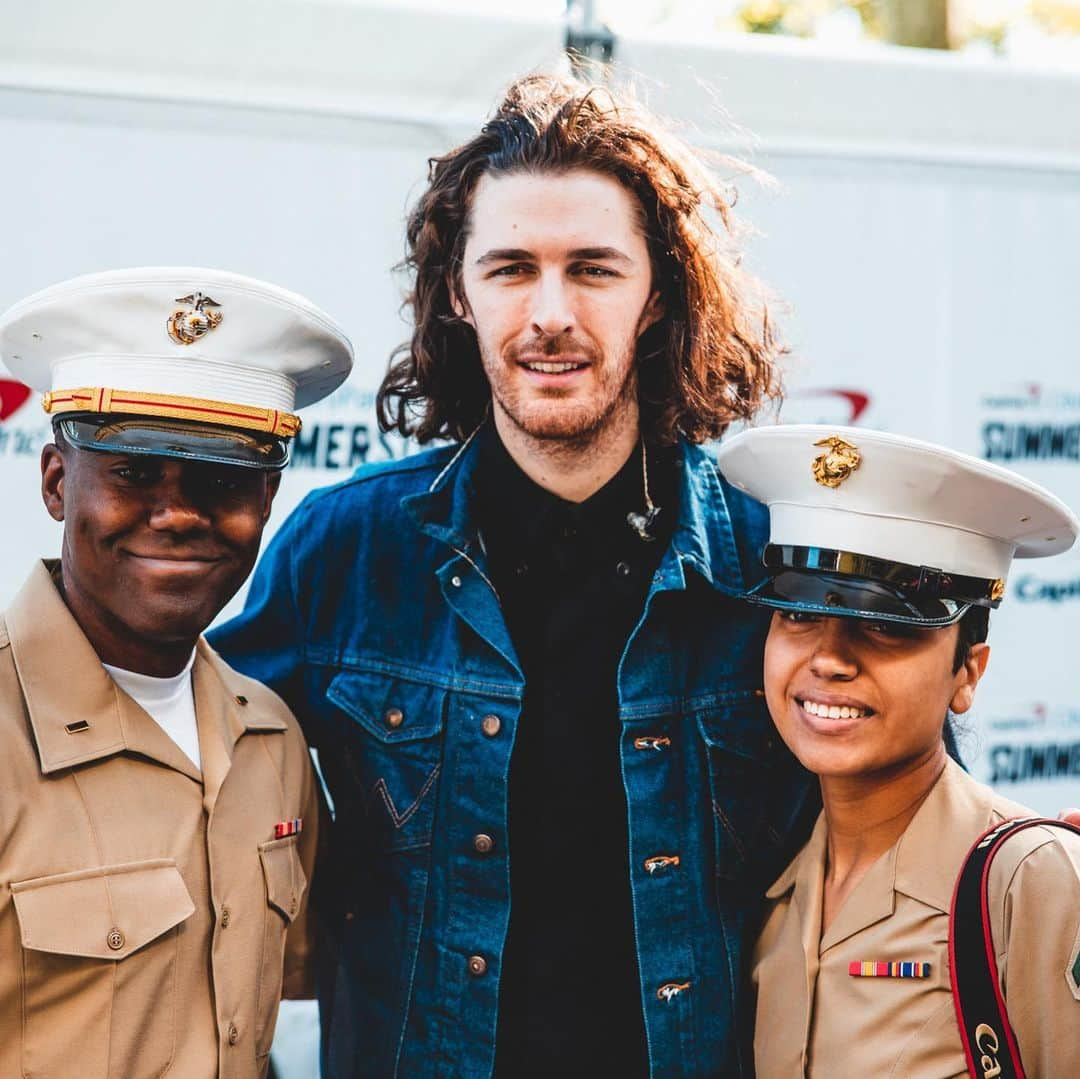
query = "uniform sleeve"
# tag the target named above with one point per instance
(266, 640)
(299, 976)
(1038, 959)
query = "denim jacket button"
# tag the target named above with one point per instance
(670, 990)
(652, 741)
(393, 718)
(482, 843)
(660, 862)
(491, 725)
(477, 965)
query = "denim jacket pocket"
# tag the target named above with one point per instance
(397, 757)
(740, 747)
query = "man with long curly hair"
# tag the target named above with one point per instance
(535, 697)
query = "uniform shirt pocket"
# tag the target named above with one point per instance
(100, 948)
(285, 886)
(284, 874)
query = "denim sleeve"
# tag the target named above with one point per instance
(266, 640)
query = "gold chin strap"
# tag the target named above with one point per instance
(171, 406)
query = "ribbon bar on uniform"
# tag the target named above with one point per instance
(907, 969)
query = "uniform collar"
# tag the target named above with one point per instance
(922, 864)
(931, 850)
(703, 539)
(57, 695)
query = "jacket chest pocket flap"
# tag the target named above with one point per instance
(106, 912)
(397, 761)
(739, 743)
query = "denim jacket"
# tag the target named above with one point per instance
(372, 614)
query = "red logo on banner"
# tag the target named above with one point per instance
(13, 396)
(857, 401)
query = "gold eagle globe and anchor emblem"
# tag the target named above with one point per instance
(837, 463)
(187, 326)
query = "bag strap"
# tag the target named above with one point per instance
(989, 1042)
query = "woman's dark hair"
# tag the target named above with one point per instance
(711, 359)
(974, 629)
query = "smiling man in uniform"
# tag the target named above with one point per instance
(158, 814)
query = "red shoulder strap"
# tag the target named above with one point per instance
(989, 1043)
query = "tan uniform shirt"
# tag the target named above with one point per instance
(149, 920)
(814, 1018)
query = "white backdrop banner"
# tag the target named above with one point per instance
(925, 230)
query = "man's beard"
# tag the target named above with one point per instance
(569, 422)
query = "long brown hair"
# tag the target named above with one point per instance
(710, 360)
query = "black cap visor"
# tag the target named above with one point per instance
(155, 437)
(838, 596)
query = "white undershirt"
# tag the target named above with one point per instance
(169, 701)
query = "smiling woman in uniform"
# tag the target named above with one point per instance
(870, 648)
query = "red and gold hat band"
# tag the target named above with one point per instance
(137, 403)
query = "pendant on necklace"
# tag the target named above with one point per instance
(641, 523)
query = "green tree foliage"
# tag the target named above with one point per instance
(938, 24)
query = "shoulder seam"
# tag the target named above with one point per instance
(1050, 836)
(405, 466)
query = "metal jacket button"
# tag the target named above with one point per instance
(660, 861)
(483, 843)
(491, 725)
(393, 718)
(671, 990)
(652, 742)
(115, 939)
(477, 965)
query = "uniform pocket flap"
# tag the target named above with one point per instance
(285, 878)
(392, 709)
(106, 912)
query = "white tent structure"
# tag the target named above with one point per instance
(925, 229)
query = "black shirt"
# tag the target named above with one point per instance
(572, 580)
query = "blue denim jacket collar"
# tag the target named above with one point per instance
(703, 538)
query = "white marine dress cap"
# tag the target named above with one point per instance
(868, 524)
(175, 361)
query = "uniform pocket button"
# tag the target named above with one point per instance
(491, 725)
(226, 917)
(393, 718)
(234, 1034)
(477, 966)
(115, 939)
